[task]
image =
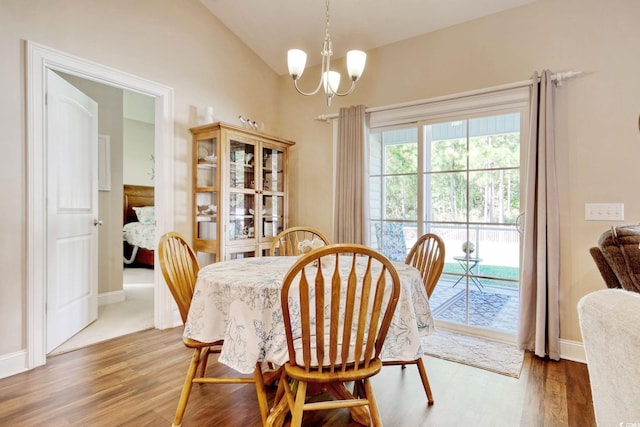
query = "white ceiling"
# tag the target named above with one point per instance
(271, 27)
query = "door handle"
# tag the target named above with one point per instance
(97, 222)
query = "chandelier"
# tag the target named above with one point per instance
(329, 80)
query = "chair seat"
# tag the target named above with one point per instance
(190, 343)
(350, 374)
(350, 359)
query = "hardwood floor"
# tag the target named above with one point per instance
(135, 380)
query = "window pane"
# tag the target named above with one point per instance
(498, 246)
(393, 185)
(375, 153)
(375, 197)
(401, 197)
(448, 198)
(401, 156)
(494, 141)
(494, 196)
(390, 239)
(448, 147)
(448, 155)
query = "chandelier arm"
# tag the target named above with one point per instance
(326, 64)
(295, 83)
(349, 92)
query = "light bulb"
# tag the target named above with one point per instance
(356, 60)
(332, 79)
(296, 61)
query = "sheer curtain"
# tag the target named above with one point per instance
(539, 328)
(351, 211)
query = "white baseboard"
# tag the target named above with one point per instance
(13, 363)
(572, 350)
(107, 298)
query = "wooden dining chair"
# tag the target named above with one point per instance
(286, 242)
(336, 320)
(180, 268)
(427, 255)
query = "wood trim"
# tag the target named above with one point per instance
(243, 131)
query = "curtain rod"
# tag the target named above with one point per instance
(558, 78)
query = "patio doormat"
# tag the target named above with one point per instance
(483, 308)
(492, 356)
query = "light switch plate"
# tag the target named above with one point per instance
(604, 211)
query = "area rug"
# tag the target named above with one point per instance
(483, 308)
(492, 356)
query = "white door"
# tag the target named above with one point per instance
(72, 210)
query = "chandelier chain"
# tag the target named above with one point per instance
(327, 49)
(327, 25)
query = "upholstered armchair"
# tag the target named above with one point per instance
(617, 256)
(608, 321)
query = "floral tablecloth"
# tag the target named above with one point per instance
(239, 301)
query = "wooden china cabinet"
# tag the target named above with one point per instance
(240, 191)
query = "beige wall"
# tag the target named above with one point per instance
(138, 160)
(178, 44)
(138, 136)
(597, 115)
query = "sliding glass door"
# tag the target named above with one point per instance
(472, 182)
(459, 179)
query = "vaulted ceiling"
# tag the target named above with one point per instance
(271, 27)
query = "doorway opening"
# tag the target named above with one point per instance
(40, 59)
(125, 157)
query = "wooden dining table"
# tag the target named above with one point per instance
(238, 301)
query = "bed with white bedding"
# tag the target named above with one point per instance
(139, 225)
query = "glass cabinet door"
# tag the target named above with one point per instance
(207, 174)
(241, 216)
(238, 254)
(206, 192)
(241, 165)
(272, 169)
(272, 215)
(207, 215)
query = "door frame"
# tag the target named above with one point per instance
(39, 59)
